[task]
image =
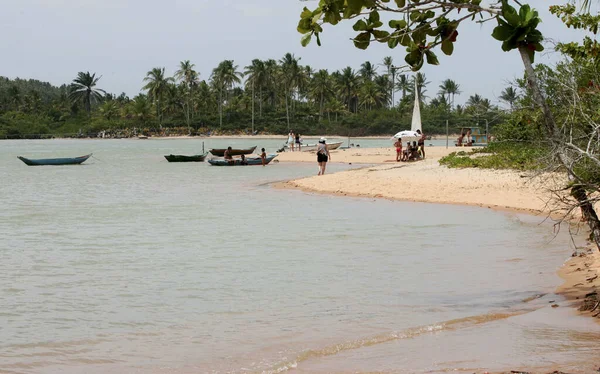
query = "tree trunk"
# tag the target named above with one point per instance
(287, 110)
(260, 101)
(588, 212)
(221, 107)
(321, 107)
(552, 130)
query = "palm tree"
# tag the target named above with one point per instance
(157, 86)
(370, 95)
(422, 83)
(403, 85)
(509, 96)
(83, 89)
(450, 88)
(189, 79)
(224, 76)
(388, 62)
(109, 109)
(291, 72)
(320, 87)
(140, 108)
(367, 71)
(257, 76)
(348, 83)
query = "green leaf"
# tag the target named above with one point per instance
(447, 47)
(355, 6)
(380, 34)
(305, 40)
(502, 32)
(360, 25)
(398, 24)
(431, 58)
(392, 42)
(304, 26)
(306, 13)
(510, 14)
(318, 39)
(405, 40)
(362, 40)
(400, 3)
(374, 16)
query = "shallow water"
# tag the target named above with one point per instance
(130, 264)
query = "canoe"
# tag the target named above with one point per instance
(313, 147)
(220, 152)
(54, 161)
(183, 158)
(238, 161)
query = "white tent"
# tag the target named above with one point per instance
(416, 121)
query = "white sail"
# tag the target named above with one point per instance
(416, 117)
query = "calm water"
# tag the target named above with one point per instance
(130, 264)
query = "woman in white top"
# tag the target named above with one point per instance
(290, 141)
(322, 156)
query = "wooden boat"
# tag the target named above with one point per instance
(183, 158)
(238, 161)
(142, 137)
(55, 161)
(220, 152)
(313, 147)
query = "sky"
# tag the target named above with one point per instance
(121, 40)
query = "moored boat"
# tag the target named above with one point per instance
(184, 158)
(55, 161)
(238, 161)
(313, 147)
(220, 152)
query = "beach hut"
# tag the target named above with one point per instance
(477, 139)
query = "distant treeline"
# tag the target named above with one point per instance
(280, 95)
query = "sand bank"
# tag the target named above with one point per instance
(582, 281)
(426, 181)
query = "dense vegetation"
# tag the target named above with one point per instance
(267, 96)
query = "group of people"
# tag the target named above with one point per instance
(229, 156)
(294, 139)
(414, 151)
(465, 139)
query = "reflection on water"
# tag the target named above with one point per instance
(129, 263)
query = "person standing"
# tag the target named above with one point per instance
(398, 146)
(298, 144)
(263, 157)
(322, 156)
(421, 143)
(291, 140)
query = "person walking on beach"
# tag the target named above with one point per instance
(298, 143)
(291, 139)
(398, 146)
(322, 156)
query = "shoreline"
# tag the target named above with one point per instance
(429, 182)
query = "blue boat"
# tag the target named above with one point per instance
(55, 161)
(238, 161)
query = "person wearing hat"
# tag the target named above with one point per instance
(322, 155)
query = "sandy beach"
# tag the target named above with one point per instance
(425, 181)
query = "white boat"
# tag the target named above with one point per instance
(313, 147)
(412, 134)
